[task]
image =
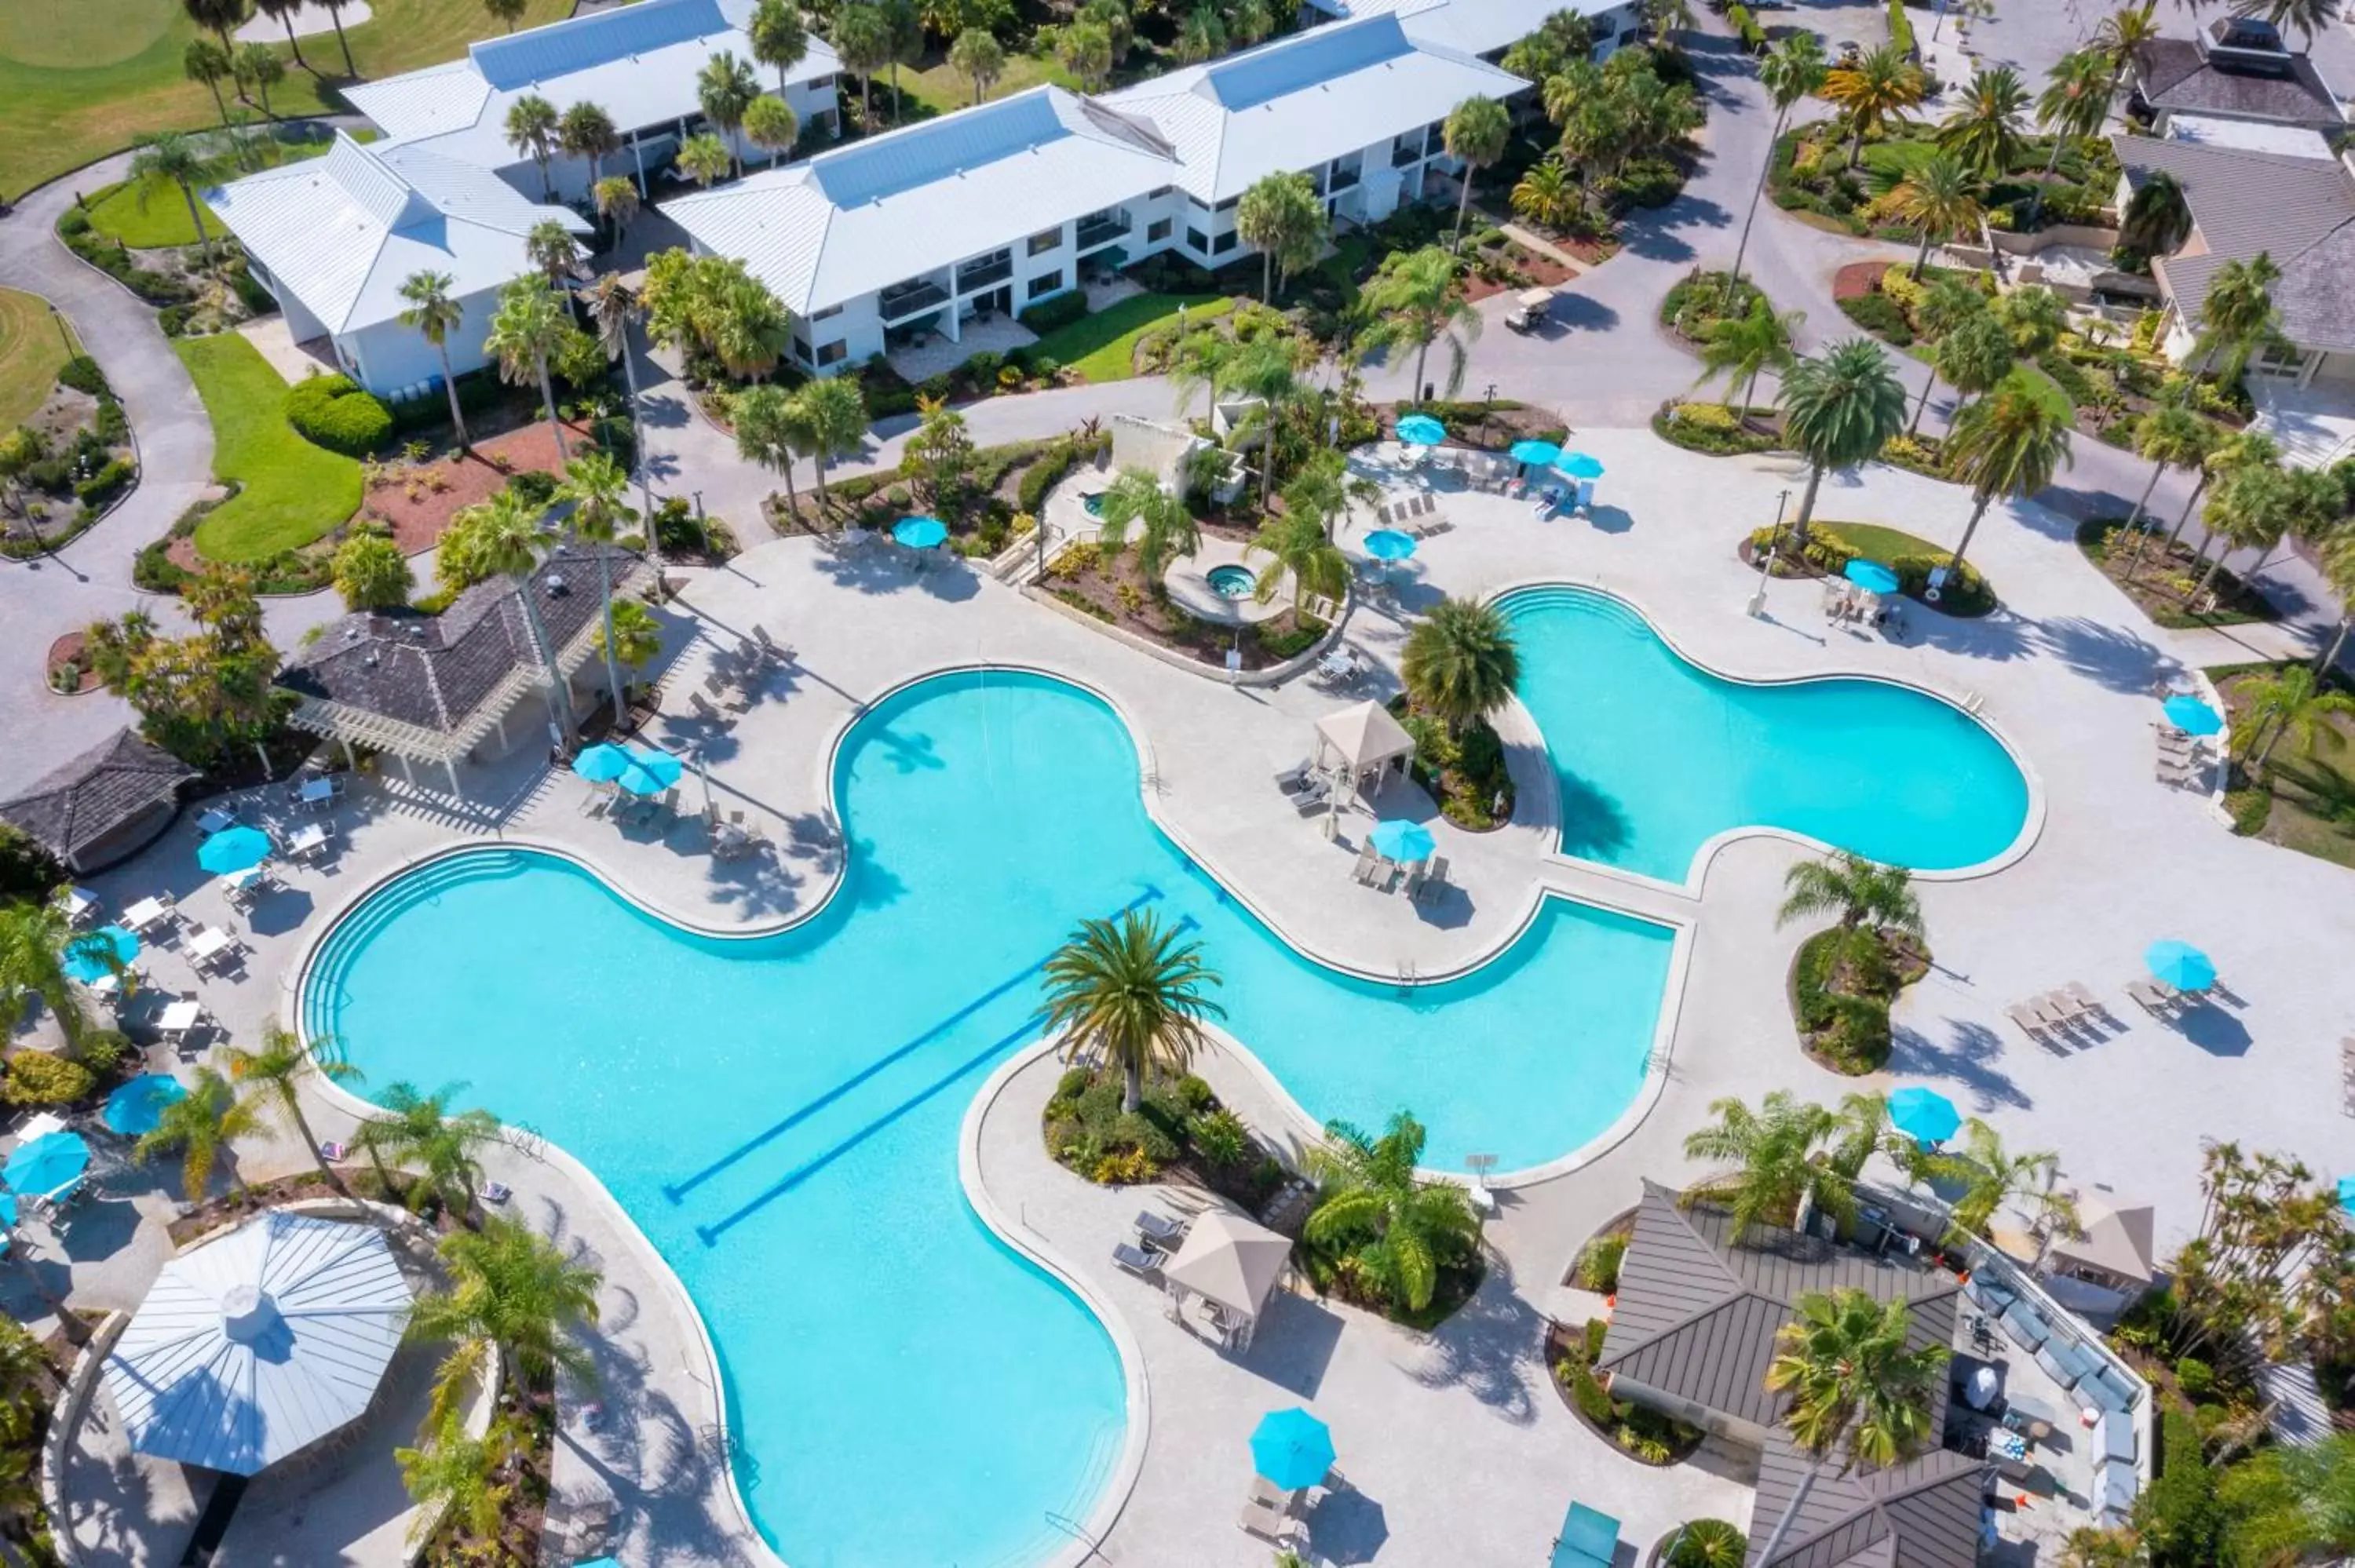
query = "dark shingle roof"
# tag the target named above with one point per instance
(2299, 211)
(1921, 1513)
(2177, 75)
(96, 792)
(434, 671)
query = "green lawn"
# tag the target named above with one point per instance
(940, 89)
(1888, 163)
(294, 491)
(150, 214)
(31, 354)
(1103, 347)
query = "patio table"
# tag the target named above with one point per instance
(147, 912)
(213, 819)
(308, 841)
(209, 944)
(316, 789)
(81, 903)
(178, 1018)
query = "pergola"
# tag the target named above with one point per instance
(1364, 742)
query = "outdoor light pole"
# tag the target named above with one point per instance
(1767, 571)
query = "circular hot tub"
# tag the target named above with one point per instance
(1232, 581)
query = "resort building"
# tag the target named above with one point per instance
(102, 807)
(994, 209)
(1487, 27)
(638, 63)
(2234, 68)
(2298, 209)
(334, 238)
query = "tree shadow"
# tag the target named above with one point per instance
(1494, 1347)
(1593, 826)
(2116, 657)
(1999, 636)
(1583, 312)
(1967, 1057)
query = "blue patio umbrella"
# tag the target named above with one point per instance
(2347, 1193)
(2193, 716)
(1588, 1538)
(138, 1106)
(86, 955)
(233, 850)
(1542, 453)
(1871, 576)
(1421, 431)
(601, 763)
(49, 1164)
(7, 1212)
(920, 532)
(2180, 964)
(1291, 1448)
(1402, 840)
(1926, 1115)
(1388, 545)
(649, 771)
(1577, 465)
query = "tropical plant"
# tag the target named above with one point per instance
(184, 162)
(2289, 1504)
(1770, 1161)
(1474, 134)
(432, 313)
(506, 535)
(771, 125)
(1201, 35)
(613, 309)
(1864, 894)
(1982, 130)
(1280, 218)
(200, 696)
(862, 39)
(272, 1077)
(637, 635)
(282, 12)
(2121, 35)
(586, 130)
(1544, 194)
(1128, 990)
(515, 1290)
(1368, 1189)
(1989, 1175)
(1940, 198)
(2238, 319)
(1856, 1388)
(779, 38)
(2169, 436)
(2158, 218)
(508, 12)
(705, 158)
(2309, 16)
(1970, 347)
(371, 573)
(35, 941)
(220, 16)
(2009, 443)
(549, 245)
(2336, 556)
(1839, 410)
(207, 61)
(2254, 507)
(1195, 360)
(1417, 298)
(200, 1127)
(532, 126)
(750, 330)
(423, 1129)
(1085, 50)
(1164, 526)
(1742, 348)
(2035, 317)
(724, 88)
(768, 433)
(1266, 369)
(259, 66)
(1461, 663)
(528, 329)
(978, 57)
(1792, 70)
(1707, 1544)
(594, 487)
(617, 202)
(450, 1475)
(1296, 544)
(2289, 701)
(2073, 104)
(833, 415)
(1872, 94)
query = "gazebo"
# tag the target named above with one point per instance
(102, 807)
(1229, 1265)
(1363, 743)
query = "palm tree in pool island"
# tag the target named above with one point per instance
(1461, 663)
(1371, 1190)
(1839, 410)
(1129, 991)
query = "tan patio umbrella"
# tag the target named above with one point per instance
(2117, 1241)
(1362, 739)
(1230, 1263)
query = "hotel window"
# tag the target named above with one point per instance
(1224, 243)
(833, 352)
(829, 311)
(1195, 241)
(801, 351)
(1228, 204)
(1046, 239)
(1045, 283)
(1156, 232)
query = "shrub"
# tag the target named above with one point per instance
(1649, 182)
(2178, 1514)
(536, 487)
(1057, 460)
(1061, 310)
(1881, 316)
(332, 411)
(103, 1049)
(1598, 1263)
(73, 221)
(1709, 1543)
(1710, 427)
(2197, 1378)
(1593, 1400)
(1221, 1138)
(82, 373)
(371, 573)
(40, 1078)
(100, 487)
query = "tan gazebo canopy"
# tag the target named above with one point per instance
(1230, 1263)
(1362, 740)
(2117, 1241)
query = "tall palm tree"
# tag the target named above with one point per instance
(2293, 1504)
(1129, 992)
(1969, 348)
(1990, 1175)
(862, 39)
(1740, 348)
(1855, 1386)
(532, 125)
(511, 1287)
(282, 12)
(1297, 543)
(1474, 134)
(186, 163)
(207, 61)
(2073, 104)
(1280, 218)
(336, 14)
(771, 125)
(2035, 317)
(549, 246)
(35, 940)
(1164, 528)
(833, 414)
(1983, 128)
(450, 1475)
(587, 131)
(2121, 36)
(2169, 436)
(1195, 362)
(2255, 507)
(1461, 663)
(725, 87)
(200, 1127)
(2158, 218)
(1791, 70)
(434, 315)
(1769, 1160)
(258, 63)
(274, 1076)
(978, 57)
(779, 38)
(1368, 1187)
(1941, 198)
(1872, 94)
(769, 432)
(595, 484)
(1865, 895)
(1417, 298)
(2290, 702)
(1839, 410)
(2237, 320)
(614, 310)
(2010, 442)
(511, 535)
(527, 328)
(1267, 369)
(2336, 556)
(750, 329)
(617, 200)
(408, 1118)
(220, 16)
(2236, 450)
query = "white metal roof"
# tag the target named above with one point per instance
(638, 63)
(261, 1343)
(2248, 135)
(1472, 26)
(849, 222)
(342, 233)
(1303, 100)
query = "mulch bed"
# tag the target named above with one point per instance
(215, 1212)
(418, 513)
(1858, 279)
(1116, 593)
(65, 651)
(1544, 272)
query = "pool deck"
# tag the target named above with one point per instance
(2063, 673)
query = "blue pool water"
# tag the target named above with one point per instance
(780, 1115)
(1656, 756)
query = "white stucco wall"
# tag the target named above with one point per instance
(387, 358)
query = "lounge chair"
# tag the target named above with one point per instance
(1434, 883)
(1293, 778)
(1141, 1261)
(2154, 997)
(2029, 1020)
(703, 709)
(1412, 886)
(1363, 871)
(2085, 1001)
(1312, 800)
(496, 1192)
(1160, 1230)
(1269, 1523)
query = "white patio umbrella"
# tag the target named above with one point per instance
(261, 1343)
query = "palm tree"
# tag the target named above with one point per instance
(2309, 16)
(531, 126)
(1740, 348)
(1164, 528)
(1855, 1387)
(1195, 363)
(2289, 701)
(1267, 369)
(1368, 1187)
(778, 36)
(1201, 35)
(1940, 198)
(1770, 1161)
(587, 131)
(1417, 298)
(614, 309)
(509, 533)
(200, 1127)
(1543, 194)
(168, 156)
(274, 1074)
(258, 63)
(1297, 543)
(978, 57)
(1860, 1129)
(1839, 410)
(434, 315)
(549, 246)
(1971, 352)
(1461, 663)
(2121, 36)
(35, 940)
(2158, 218)
(2238, 449)
(1280, 217)
(616, 196)
(706, 158)
(2293, 1504)
(1983, 129)
(2237, 320)
(527, 330)
(1474, 135)
(2009, 443)
(637, 635)
(282, 12)
(595, 484)
(451, 1476)
(2170, 436)
(725, 87)
(2073, 104)
(512, 1289)
(1791, 70)
(833, 414)
(1129, 992)
(771, 125)
(1866, 894)
(1991, 1177)
(768, 433)
(208, 62)
(220, 16)
(2035, 317)
(2336, 556)
(1872, 94)
(2257, 505)
(862, 39)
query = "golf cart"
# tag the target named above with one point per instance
(1528, 312)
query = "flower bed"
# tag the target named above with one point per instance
(1700, 299)
(1831, 547)
(1642, 1434)
(1179, 1129)
(417, 493)
(1113, 589)
(1715, 430)
(1465, 773)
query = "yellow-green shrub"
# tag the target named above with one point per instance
(40, 1078)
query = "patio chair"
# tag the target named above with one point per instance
(2031, 1023)
(1364, 870)
(1434, 880)
(2154, 997)
(703, 710)
(1138, 1261)
(1160, 1230)
(1313, 798)
(1294, 778)
(495, 1192)
(2083, 1000)
(1412, 886)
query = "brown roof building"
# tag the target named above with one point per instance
(103, 806)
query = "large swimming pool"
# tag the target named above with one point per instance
(780, 1115)
(1656, 756)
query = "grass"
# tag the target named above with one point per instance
(1103, 347)
(80, 78)
(31, 354)
(2304, 800)
(151, 213)
(1876, 542)
(940, 89)
(293, 491)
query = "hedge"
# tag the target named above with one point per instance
(1061, 310)
(332, 411)
(39, 1078)
(82, 373)
(1901, 29)
(1711, 428)
(1042, 476)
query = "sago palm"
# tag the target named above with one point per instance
(1461, 662)
(1368, 1188)
(1839, 409)
(1131, 993)
(200, 1127)
(272, 1075)
(2009, 443)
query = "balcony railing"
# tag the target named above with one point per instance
(1405, 153)
(903, 300)
(1342, 179)
(976, 276)
(1095, 232)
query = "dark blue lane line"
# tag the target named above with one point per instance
(677, 1192)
